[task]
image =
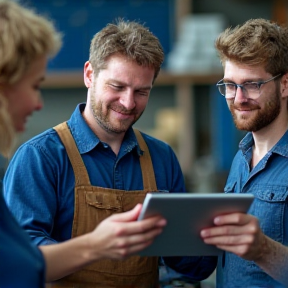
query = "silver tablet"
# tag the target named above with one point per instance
(186, 215)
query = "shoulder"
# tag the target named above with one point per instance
(160, 151)
(44, 141)
(44, 147)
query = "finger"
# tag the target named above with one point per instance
(226, 230)
(128, 245)
(137, 243)
(128, 216)
(128, 251)
(240, 250)
(139, 227)
(233, 218)
(137, 239)
(139, 247)
(230, 240)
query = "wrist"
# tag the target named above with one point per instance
(263, 249)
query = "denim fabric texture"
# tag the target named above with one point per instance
(21, 263)
(39, 182)
(268, 181)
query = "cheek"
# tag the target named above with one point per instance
(229, 103)
(142, 103)
(11, 100)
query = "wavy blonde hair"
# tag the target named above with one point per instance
(24, 36)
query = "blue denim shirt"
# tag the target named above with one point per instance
(21, 263)
(39, 183)
(268, 181)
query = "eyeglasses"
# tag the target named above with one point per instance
(250, 89)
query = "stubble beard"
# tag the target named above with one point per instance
(103, 121)
(262, 118)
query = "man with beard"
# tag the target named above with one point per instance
(69, 179)
(255, 84)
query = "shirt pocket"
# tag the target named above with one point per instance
(269, 207)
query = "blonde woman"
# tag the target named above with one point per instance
(26, 41)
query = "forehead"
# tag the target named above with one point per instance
(239, 72)
(123, 69)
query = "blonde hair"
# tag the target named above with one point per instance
(24, 36)
(126, 38)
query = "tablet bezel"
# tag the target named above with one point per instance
(184, 210)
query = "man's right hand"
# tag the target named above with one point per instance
(121, 235)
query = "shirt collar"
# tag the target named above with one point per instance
(130, 142)
(281, 147)
(85, 138)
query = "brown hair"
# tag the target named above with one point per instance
(127, 38)
(256, 42)
(24, 36)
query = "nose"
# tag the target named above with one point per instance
(127, 100)
(240, 95)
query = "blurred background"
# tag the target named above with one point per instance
(185, 109)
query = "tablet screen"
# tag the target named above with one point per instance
(187, 214)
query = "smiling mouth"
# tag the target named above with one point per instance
(123, 112)
(241, 110)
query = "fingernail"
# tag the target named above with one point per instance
(162, 222)
(203, 233)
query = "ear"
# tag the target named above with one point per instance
(88, 74)
(284, 86)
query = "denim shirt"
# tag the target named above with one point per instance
(21, 263)
(268, 181)
(39, 182)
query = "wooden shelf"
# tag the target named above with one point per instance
(184, 102)
(74, 79)
(167, 78)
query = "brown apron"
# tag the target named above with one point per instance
(94, 204)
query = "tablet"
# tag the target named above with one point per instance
(186, 215)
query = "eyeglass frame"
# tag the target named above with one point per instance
(242, 86)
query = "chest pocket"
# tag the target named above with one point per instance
(268, 206)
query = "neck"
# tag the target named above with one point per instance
(114, 140)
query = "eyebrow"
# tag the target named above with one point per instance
(242, 82)
(125, 84)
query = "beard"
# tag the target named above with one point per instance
(104, 119)
(262, 116)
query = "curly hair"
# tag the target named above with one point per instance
(126, 38)
(256, 42)
(24, 36)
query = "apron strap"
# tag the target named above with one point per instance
(148, 175)
(80, 171)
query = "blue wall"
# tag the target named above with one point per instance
(79, 20)
(225, 137)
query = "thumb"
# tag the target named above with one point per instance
(128, 216)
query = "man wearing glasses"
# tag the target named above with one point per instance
(255, 85)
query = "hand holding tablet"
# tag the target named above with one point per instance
(187, 214)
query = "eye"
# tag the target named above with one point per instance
(251, 86)
(117, 87)
(142, 93)
(230, 87)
